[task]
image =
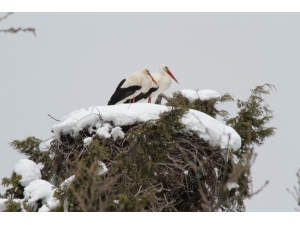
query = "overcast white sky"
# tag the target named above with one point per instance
(77, 60)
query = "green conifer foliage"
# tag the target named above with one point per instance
(252, 117)
(12, 206)
(158, 166)
(16, 191)
(31, 148)
(206, 106)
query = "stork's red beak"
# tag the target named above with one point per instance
(169, 72)
(153, 79)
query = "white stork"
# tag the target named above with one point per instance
(132, 86)
(163, 79)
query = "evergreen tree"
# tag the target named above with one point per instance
(158, 166)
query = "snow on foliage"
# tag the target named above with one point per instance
(204, 95)
(51, 202)
(206, 127)
(117, 133)
(39, 189)
(102, 168)
(68, 181)
(104, 131)
(29, 171)
(87, 141)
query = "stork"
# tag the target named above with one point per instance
(144, 95)
(163, 79)
(132, 86)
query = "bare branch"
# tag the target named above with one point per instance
(259, 190)
(5, 16)
(159, 98)
(15, 30)
(53, 118)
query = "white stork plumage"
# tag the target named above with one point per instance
(163, 79)
(132, 86)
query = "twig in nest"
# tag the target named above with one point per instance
(159, 97)
(89, 115)
(53, 118)
(162, 95)
(47, 139)
(101, 119)
(15, 30)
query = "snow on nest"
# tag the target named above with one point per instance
(29, 171)
(104, 131)
(232, 185)
(117, 132)
(206, 127)
(204, 95)
(87, 141)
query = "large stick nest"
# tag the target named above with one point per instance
(188, 180)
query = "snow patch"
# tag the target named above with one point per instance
(235, 159)
(204, 95)
(51, 203)
(212, 130)
(216, 172)
(203, 125)
(102, 168)
(104, 131)
(29, 171)
(38, 189)
(116, 133)
(232, 185)
(87, 141)
(68, 181)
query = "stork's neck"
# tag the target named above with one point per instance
(165, 81)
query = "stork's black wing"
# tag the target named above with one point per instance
(144, 95)
(122, 93)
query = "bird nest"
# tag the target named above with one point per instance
(189, 177)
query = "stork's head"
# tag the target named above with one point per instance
(165, 69)
(147, 72)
